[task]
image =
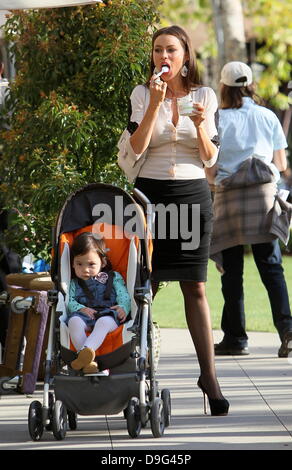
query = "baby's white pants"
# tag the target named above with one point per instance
(78, 328)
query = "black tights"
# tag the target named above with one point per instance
(199, 324)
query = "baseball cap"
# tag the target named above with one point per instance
(236, 74)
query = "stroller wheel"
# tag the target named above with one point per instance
(59, 420)
(125, 411)
(157, 419)
(35, 420)
(72, 420)
(165, 397)
(133, 418)
(51, 411)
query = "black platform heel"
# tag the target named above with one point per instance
(218, 406)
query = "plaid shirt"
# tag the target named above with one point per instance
(247, 209)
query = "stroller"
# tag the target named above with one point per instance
(127, 353)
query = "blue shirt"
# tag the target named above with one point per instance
(251, 130)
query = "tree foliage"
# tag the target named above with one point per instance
(272, 28)
(67, 106)
(269, 22)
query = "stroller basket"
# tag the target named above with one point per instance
(90, 395)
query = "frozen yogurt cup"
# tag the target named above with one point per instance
(185, 106)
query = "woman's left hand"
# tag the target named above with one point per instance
(199, 115)
(121, 312)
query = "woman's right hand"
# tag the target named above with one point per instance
(140, 139)
(157, 90)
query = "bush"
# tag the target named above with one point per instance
(67, 107)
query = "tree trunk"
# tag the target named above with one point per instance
(229, 28)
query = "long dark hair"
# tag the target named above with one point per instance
(232, 96)
(192, 80)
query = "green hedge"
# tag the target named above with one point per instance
(67, 107)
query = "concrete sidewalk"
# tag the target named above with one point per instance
(258, 386)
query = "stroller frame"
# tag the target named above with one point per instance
(145, 403)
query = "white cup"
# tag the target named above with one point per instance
(185, 106)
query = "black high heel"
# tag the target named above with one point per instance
(218, 406)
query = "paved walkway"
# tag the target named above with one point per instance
(258, 386)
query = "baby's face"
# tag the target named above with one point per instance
(87, 265)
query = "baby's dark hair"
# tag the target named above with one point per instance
(87, 241)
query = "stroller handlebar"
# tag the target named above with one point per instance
(148, 209)
(143, 199)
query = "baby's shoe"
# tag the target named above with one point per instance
(85, 357)
(90, 368)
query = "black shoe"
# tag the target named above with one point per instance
(218, 406)
(221, 349)
(286, 346)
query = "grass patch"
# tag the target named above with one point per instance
(168, 308)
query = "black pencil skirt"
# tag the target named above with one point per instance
(189, 214)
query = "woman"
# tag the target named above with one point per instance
(178, 147)
(252, 153)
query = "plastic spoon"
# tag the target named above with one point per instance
(164, 69)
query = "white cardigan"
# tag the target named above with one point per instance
(173, 150)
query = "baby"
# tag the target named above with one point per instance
(98, 300)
